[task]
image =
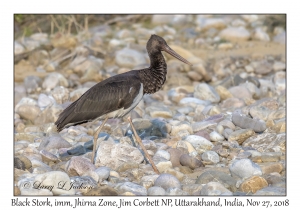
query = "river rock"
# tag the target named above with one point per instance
(207, 23)
(199, 142)
(28, 112)
(83, 184)
(241, 135)
(260, 34)
(103, 172)
(114, 155)
(53, 142)
(244, 168)
(204, 91)
(213, 175)
(215, 136)
(131, 187)
(244, 121)
(210, 157)
(78, 165)
(156, 191)
(56, 179)
(60, 94)
(267, 142)
(129, 58)
(31, 83)
(189, 161)
(214, 188)
(159, 111)
(166, 181)
(253, 184)
(175, 191)
(271, 191)
(102, 191)
(175, 155)
(44, 100)
(54, 79)
(235, 33)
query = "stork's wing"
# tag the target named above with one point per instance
(107, 96)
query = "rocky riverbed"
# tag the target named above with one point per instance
(216, 128)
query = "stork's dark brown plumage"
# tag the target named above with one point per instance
(118, 95)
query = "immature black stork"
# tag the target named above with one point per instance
(118, 95)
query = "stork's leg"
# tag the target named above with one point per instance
(138, 139)
(96, 137)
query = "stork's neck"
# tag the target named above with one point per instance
(154, 77)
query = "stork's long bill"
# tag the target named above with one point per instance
(169, 50)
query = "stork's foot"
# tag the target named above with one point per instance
(138, 139)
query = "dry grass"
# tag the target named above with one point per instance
(27, 24)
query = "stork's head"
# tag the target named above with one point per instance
(156, 44)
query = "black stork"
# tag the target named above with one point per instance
(118, 95)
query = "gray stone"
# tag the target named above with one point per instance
(36, 192)
(53, 142)
(162, 153)
(279, 66)
(192, 189)
(83, 184)
(244, 121)
(56, 179)
(267, 142)
(261, 35)
(240, 92)
(189, 161)
(215, 136)
(20, 92)
(162, 164)
(199, 142)
(48, 156)
(156, 191)
(54, 79)
(28, 112)
(169, 19)
(175, 156)
(60, 94)
(235, 33)
(148, 180)
(19, 48)
(131, 187)
(79, 150)
(78, 165)
(176, 129)
(280, 38)
(159, 111)
(44, 100)
(204, 91)
(191, 100)
(208, 23)
(130, 58)
(244, 168)
(219, 176)
(271, 191)
(103, 172)
(31, 83)
(149, 144)
(175, 191)
(145, 127)
(210, 157)
(166, 181)
(114, 155)
(214, 188)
